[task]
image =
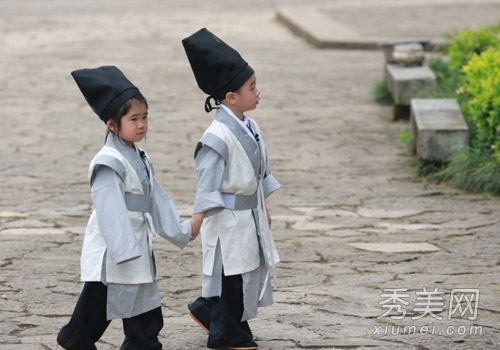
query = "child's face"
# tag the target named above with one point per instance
(248, 95)
(134, 124)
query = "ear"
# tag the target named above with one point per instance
(230, 98)
(111, 126)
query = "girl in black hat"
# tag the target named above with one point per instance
(230, 204)
(130, 206)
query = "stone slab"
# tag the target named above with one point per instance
(382, 213)
(33, 231)
(317, 28)
(439, 128)
(10, 214)
(406, 83)
(396, 247)
(359, 24)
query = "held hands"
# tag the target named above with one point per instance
(196, 221)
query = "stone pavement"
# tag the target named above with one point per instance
(352, 223)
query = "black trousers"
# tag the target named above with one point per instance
(222, 315)
(88, 323)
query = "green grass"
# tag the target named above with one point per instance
(447, 79)
(381, 93)
(472, 170)
(406, 138)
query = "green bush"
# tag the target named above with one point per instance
(480, 88)
(471, 74)
(470, 42)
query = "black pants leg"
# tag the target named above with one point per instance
(226, 328)
(141, 331)
(88, 321)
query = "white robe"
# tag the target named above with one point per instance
(232, 164)
(129, 208)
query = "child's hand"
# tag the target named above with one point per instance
(193, 237)
(269, 220)
(196, 221)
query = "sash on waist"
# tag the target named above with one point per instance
(239, 201)
(137, 202)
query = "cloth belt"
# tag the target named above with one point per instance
(239, 201)
(137, 202)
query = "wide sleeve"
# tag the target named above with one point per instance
(108, 198)
(270, 184)
(210, 166)
(166, 220)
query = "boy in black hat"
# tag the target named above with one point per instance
(117, 261)
(230, 204)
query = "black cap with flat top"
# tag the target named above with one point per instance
(105, 88)
(217, 67)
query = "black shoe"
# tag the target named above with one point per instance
(200, 313)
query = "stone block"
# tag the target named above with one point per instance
(439, 128)
(388, 48)
(406, 83)
(409, 55)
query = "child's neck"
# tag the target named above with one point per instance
(240, 115)
(126, 143)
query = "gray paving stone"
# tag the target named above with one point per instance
(396, 247)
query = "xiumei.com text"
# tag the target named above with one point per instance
(391, 329)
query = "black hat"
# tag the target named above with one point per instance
(106, 89)
(217, 67)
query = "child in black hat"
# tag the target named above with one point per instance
(130, 206)
(230, 204)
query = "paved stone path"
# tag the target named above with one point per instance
(352, 222)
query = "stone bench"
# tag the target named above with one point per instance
(406, 83)
(439, 128)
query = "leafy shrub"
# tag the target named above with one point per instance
(480, 87)
(471, 74)
(469, 42)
